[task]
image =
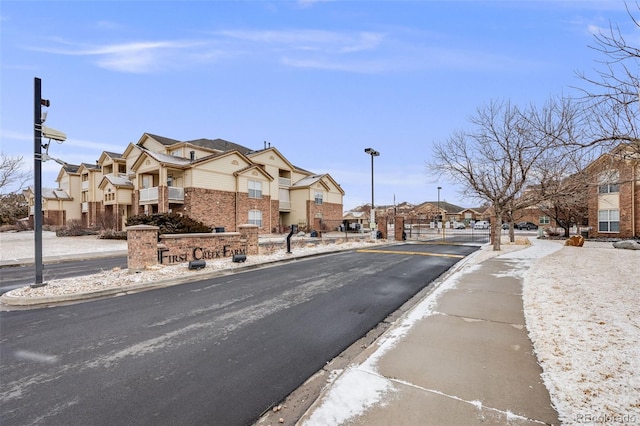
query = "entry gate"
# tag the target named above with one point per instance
(426, 231)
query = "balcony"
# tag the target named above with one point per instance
(150, 195)
(85, 185)
(284, 182)
(85, 207)
(285, 206)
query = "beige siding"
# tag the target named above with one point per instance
(185, 152)
(216, 174)
(609, 201)
(299, 199)
(123, 196)
(153, 145)
(271, 159)
(212, 179)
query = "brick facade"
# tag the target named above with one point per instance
(628, 199)
(211, 207)
(90, 218)
(263, 204)
(328, 212)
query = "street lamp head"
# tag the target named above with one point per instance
(439, 187)
(372, 152)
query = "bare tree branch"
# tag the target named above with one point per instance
(12, 175)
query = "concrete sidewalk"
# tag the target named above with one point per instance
(461, 357)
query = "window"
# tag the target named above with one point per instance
(255, 217)
(545, 220)
(255, 189)
(609, 220)
(318, 197)
(608, 188)
(608, 182)
(147, 181)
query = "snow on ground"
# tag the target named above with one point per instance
(582, 307)
(122, 278)
(583, 316)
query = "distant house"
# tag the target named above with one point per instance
(356, 220)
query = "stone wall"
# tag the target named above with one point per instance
(146, 248)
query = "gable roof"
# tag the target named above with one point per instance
(253, 167)
(161, 139)
(164, 159)
(307, 181)
(90, 166)
(55, 194)
(117, 181)
(219, 145)
(448, 207)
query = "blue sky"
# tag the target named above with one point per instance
(319, 80)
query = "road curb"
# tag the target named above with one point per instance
(22, 301)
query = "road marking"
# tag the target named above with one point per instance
(457, 256)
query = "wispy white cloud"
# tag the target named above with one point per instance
(133, 57)
(346, 51)
(309, 40)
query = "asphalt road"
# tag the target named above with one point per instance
(19, 276)
(216, 351)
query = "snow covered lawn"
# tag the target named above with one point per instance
(582, 308)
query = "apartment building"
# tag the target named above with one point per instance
(58, 205)
(614, 195)
(217, 182)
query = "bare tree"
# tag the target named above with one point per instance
(12, 175)
(613, 93)
(495, 161)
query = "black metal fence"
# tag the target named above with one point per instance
(427, 231)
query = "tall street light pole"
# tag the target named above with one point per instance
(37, 172)
(39, 130)
(373, 153)
(439, 214)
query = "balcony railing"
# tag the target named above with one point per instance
(150, 195)
(284, 182)
(85, 185)
(285, 206)
(85, 207)
(176, 193)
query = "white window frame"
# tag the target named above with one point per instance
(255, 217)
(545, 220)
(609, 221)
(254, 189)
(318, 197)
(608, 182)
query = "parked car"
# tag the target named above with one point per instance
(505, 225)
(481, 224)
(458, 225)
(526, 225)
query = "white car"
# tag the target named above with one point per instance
(458, 225)
(481, 224)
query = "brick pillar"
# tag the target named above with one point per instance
(142, 247)
(250, 234)
(398, 228)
